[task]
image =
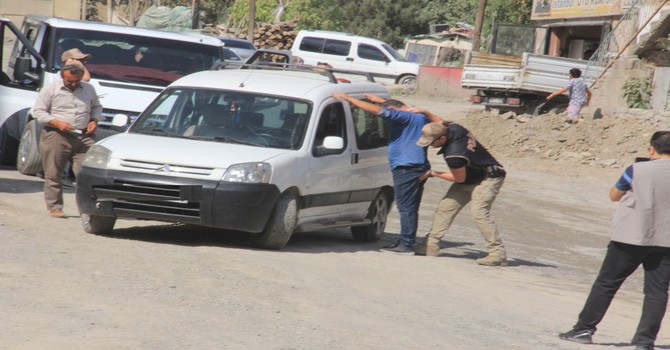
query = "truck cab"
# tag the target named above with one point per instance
(129, 67)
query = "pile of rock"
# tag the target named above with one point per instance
(610, 141)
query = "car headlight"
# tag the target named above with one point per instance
(97, 157)
(248, 173)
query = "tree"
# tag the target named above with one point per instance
(388, 20)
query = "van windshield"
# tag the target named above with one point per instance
(226, 116)
(135, 59)
(396, 55)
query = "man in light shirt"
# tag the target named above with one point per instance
(69, 109)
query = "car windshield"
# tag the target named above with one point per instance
(396, 55)
(230, 55)
(226, 116)
(136, 59)
(239, 44)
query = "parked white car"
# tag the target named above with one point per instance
(352, 52)
(238, 150)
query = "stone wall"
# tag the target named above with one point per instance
(608, 91)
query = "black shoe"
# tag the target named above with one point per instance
(398, 248)
(392, 245)
(583, 336)
(644, 347)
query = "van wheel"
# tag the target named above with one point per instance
(281, 224)
(28, 160)
(98, 225)
(407, 79)
(379, 210)
(8, 147)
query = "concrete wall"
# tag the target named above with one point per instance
(441, 81)
(16, 9)
(608, 90)
(661, 88)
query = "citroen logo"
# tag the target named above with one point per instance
(164, 169)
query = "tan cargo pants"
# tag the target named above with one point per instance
(481, 199)
(56, 149)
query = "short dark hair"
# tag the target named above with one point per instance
(575, 72)
(76, 69)
(660, 140)
(393, 103)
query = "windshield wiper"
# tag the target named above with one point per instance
(157, 131)
(232, 140)
(144, 77)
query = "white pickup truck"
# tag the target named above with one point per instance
(509, 84)
(129, 68)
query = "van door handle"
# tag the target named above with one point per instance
(350, 59)
(354, 158)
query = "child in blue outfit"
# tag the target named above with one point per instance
(579, 92)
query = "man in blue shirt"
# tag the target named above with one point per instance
(408, 161)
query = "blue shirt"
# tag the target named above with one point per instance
(405, 132)
(626, 179)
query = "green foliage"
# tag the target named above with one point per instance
(637, 93)
(310, 14)
(265, 10)
(387, 20)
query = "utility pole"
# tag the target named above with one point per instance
(479, 22)
(195, 20)
(252, 20)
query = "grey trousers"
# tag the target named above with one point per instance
(56, 149)
(481, 199)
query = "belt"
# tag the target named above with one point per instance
(408, 167)
(75, 131)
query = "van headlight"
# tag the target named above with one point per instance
(97, 157)
(248, 173)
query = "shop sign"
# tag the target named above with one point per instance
(556, 9)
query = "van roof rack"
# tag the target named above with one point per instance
(281, 66)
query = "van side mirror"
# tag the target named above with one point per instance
(120, 120)
(331, 145)
(22, 70)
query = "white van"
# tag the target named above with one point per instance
(236, 149)
(358, 53)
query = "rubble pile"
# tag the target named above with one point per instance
(604, 140)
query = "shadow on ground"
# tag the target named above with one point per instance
(325, 241)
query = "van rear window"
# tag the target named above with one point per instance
(327, 46)
(337, 47)
(311, 44)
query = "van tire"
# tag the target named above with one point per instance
(28, 160)
(97, 225)
(407, 79)
(8, 148)
(378, 212)
(280, 227)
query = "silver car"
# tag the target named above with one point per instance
(243, 48)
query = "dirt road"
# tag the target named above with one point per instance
(157, 286)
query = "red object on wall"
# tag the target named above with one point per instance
(441, 81)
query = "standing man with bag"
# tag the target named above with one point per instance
(477, 178)
(69, 109)
(640, 236)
